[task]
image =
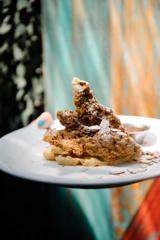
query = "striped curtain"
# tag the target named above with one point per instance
(114, 45)
(135, 56)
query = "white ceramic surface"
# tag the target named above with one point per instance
(21, 155)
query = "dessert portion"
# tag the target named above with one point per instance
(92, 136)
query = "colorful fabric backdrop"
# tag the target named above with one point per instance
(114, 45)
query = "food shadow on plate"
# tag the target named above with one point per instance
(120, 169)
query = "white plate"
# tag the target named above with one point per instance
(21, 155)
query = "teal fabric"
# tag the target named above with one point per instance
(75, 47)
(78, 47)
(96, 207)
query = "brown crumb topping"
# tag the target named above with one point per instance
(92, 130)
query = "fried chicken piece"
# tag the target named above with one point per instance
(88, 110)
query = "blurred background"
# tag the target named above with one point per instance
(115, 46)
